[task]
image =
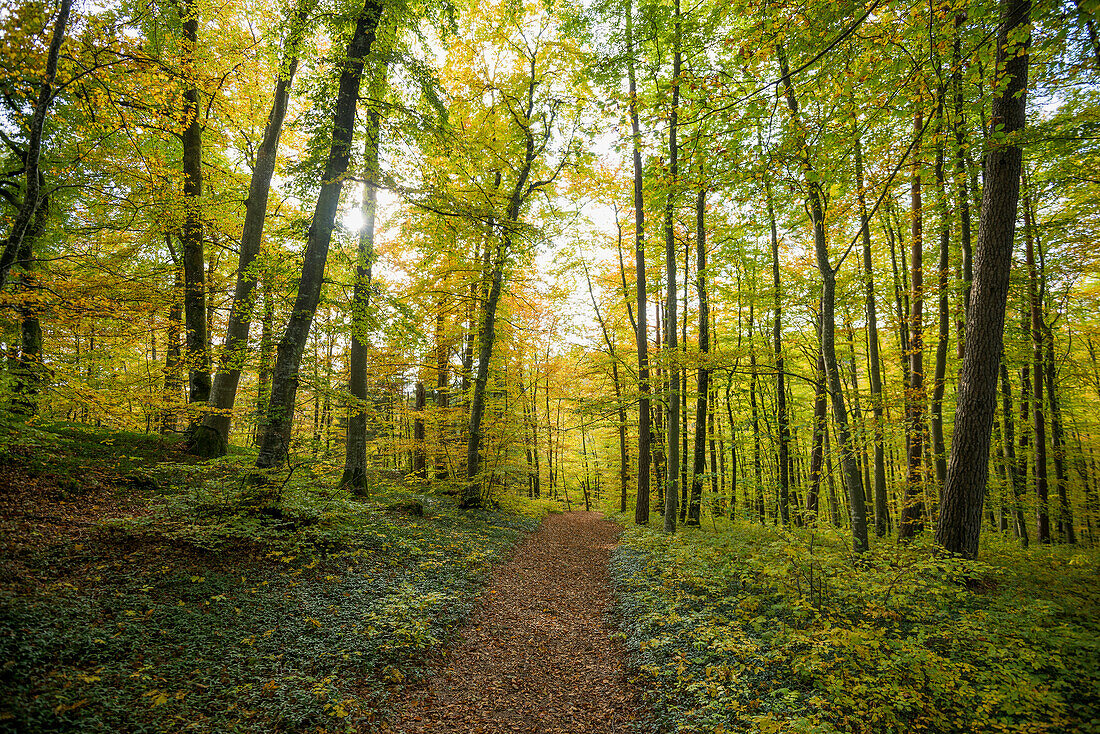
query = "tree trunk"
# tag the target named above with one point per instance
(191, 238)
(857, 407)
(1015, 480)
(1025, 405)
(354, 477)
(1038, 430)
(717, 474)
(781, 418)
(939, 451)
(912, 511)
(620, 406)
(172, 355)
(212, 439)
(275, 441)
(817, 446)
(442, 400)
(420, 460)
(962, 197)
(703, 378)
(24, 217)
(673, 423)
(1058, 443)
(757, 463)
(960, 515)
(26, 369)
(267, 354)
(474, 495)
(852, 481)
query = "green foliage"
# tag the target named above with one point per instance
(196, 615)
(765, 630)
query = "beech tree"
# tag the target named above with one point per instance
(212, 437)
(275, 436)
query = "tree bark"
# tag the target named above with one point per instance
(1038, 425)
(1058, 443)
(197, 338)
(26, 369)
(912, 511)
(1015, 480)
(817, 445)
(781, 418)
(959, 525)
(702, 384)
(939, 451)
(212, 439)
(474, 495)
(172, 354)
(24, 217)
(420, 458)
(815, 205)
(267, 354)
(275, 441)
(354, 476)
(673, 423)
(962, 196)
(442, 403)
(641, 333)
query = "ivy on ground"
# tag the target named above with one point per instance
(193, 616)
(761, 629)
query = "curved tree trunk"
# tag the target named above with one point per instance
(24, 217)
(852, 481)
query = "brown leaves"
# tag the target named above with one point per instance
(537, 656)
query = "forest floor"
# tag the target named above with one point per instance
(538, 654)
(137, 595)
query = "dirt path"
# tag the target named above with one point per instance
(536, 656)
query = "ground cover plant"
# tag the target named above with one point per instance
(175, 611)
(760, 629)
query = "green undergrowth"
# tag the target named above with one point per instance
(195, 616)
(762, 630)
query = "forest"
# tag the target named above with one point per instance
(343, 299)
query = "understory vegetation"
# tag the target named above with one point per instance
(757, 628)
(182, 613)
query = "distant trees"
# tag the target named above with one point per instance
(809, 172)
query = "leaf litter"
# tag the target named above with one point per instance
(538, 653)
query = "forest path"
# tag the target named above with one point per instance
(536, 655)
